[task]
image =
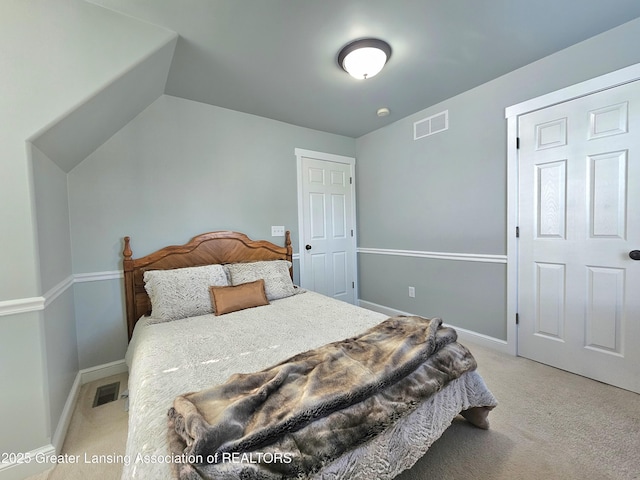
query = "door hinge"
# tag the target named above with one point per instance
(517, 319)
(353, 284)
(517, 143)
(352, 232)
(517, 232)
(350, 180)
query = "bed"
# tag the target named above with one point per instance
(168, 357)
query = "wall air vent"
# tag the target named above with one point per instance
(428, 126)
(106, 394)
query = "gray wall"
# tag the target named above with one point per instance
(49, 51)
(54, 247)
(178, 169)
(448, 192)
(212, 158)
(52, 215)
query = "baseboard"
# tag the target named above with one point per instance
(84, 376)
(27, 464)
(92, 374)
(67, 412)
(33, 462)
(463, 334)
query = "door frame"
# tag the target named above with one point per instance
(327, 157)
(588, 87)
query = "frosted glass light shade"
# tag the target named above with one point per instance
(363, 59)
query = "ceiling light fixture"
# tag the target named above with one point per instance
(364, 58)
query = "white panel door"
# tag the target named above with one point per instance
(328, 224)
(579, 219)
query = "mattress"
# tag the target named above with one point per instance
(167, 359)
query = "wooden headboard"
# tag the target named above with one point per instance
(206, 249)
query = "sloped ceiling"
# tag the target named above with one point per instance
(78, 73)
(72, 138)
(277, 58)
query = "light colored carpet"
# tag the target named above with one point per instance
(93, 431)
(549, 424)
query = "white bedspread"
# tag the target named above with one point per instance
(171, 358)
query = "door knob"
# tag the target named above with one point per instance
(634, 254)
(308, 247)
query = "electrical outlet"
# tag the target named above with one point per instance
(277, 231)
(412, 292)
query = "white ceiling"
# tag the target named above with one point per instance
(277, 58)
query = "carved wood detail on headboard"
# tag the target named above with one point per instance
(206, 249)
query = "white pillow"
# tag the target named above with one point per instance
(183, 292)
(275, 273)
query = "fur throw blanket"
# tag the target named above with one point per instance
(290, 420)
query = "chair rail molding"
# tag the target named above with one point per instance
(34, 304)
(466, 257)
(21, 305)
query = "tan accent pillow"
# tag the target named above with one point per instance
(238, 297)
